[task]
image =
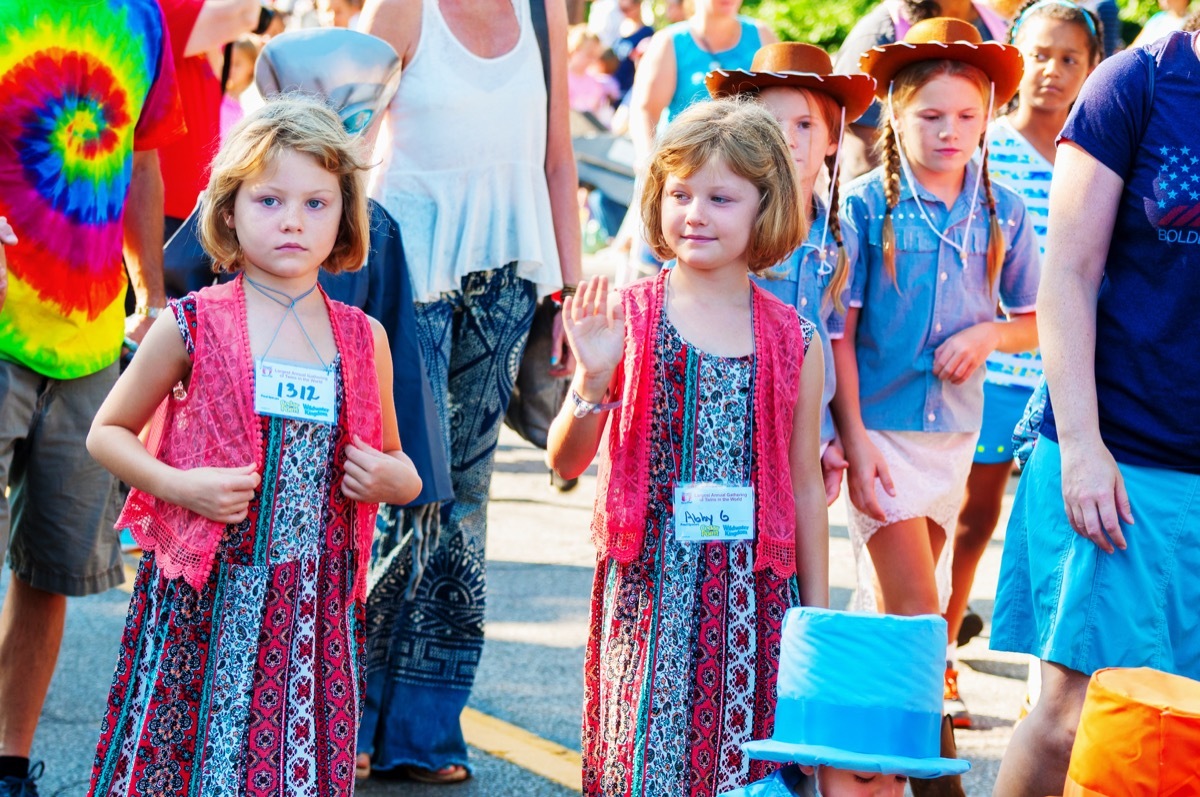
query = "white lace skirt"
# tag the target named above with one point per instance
(929, 471)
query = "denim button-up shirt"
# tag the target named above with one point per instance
(801, 281)
(936, 295)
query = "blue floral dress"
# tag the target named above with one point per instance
(250, 685)
(684, 645)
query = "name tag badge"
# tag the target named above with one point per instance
(294, 391)
(706, 512)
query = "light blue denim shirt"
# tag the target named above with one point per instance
(801, 281)
(936, 295)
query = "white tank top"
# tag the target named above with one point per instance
(463, 161)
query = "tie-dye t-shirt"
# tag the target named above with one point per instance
(83, 84)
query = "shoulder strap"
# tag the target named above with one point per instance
(541, 30)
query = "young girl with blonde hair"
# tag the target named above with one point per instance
(272, 441)
(710, 516)
(939, 247)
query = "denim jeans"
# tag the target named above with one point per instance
(471, 342)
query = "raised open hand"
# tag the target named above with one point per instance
(594, 321)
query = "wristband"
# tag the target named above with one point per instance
(147, 311)
(584, 408)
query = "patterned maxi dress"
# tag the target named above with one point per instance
(684, 645)
(251, 685)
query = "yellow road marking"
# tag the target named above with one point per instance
(496, 737)
(518, 746)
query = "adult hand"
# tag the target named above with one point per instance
(865, 465)
(220, 494)
(7, 238)
(1094, 494)
(959, 355)
(136, 327)
(594, 322)
(833, 463)
(375, 477)
(562, 359)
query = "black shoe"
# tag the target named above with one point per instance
(22, 787)
(972, 625)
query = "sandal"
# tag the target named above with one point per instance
(362, 766)
(454, 773)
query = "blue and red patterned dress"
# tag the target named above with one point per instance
(684, 646)
(252, 684)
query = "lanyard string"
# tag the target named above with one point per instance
(825, 267)
(662, 375)
(289, 307)
(912, 184)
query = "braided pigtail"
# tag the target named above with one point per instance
(841, 269)
(891, 190)
(996, 243)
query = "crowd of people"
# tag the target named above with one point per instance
(965, 241)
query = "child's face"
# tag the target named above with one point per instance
(241, 72)
(941, 125)
(708, 217)
(286, 217)
(808, 136)
(1057, 62)
(847, 783)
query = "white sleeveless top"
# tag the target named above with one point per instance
(463, 161)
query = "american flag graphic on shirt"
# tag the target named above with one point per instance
(1176, 201)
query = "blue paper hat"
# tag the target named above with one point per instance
(861, 692)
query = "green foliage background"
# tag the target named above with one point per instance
(826, 22)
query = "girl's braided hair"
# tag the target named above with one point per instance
(906, 83)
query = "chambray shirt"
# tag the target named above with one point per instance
(801, 281)
(900, 326)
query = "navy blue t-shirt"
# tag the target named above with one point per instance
(623, 48)
(1148, 309)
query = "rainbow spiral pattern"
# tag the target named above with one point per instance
(83, 83)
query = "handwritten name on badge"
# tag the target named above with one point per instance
(714, 512)
(294, 391)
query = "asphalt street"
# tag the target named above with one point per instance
(540, 566)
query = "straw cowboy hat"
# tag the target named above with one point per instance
(945, 38)
(795, 66)
(861, 692)
(1139, 736)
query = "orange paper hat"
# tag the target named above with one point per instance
(949, 39)
(1139, 736)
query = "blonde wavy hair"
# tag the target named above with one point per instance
(296, 123)
(746, 137)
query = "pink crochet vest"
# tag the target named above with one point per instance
(215, 425)
(623, 487)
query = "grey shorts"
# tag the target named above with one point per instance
(57, 520)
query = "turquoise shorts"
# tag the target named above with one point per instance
(1064, 600)
(1002, 409)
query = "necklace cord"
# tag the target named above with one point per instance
(289, 307)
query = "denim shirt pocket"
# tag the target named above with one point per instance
(975, 274)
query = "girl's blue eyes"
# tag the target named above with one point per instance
(312, 204)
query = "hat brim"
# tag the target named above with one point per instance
(855, 93)
(818, 755)
(1000, 62)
